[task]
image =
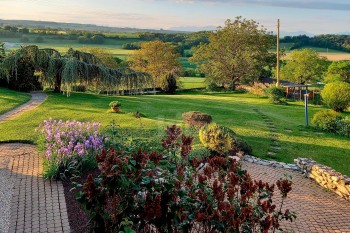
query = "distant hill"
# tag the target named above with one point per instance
(75, 26)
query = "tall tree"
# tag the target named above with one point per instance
(338, 71)
(63, 71)
(235, 53)
(304, 66)
(2, 51)
(157, 59)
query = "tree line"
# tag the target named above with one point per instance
(330, 41)
(238, 53)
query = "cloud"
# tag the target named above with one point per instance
(338, 5)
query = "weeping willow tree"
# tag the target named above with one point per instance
(62, 72)
(2, 52)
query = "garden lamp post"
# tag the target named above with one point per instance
(306, 97)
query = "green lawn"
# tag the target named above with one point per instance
(192, 82)
(11, 99)
(229, 109)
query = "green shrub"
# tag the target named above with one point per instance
(323, 119)
(243, 146)
(231, 87)
(212, 87)
(115, 104)
(276, 95)
(342, 126)
(196, 119)
(221, 140)
(336, 95)
(79, 88)
(170, 84)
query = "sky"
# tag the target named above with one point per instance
(313, 16)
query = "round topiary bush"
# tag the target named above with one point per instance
(336, 95)
(323, 119)
(196, 119)
(222, 140)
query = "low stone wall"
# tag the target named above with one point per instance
(325, 176)
(271, 163)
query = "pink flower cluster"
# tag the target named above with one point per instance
(64, 139)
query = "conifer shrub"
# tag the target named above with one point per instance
(222, 140)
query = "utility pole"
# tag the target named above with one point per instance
(278, 54)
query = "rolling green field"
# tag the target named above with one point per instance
(113, 46)
(229, 109)
(10, 99)
(192, 82)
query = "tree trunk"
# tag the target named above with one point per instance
(58, 82)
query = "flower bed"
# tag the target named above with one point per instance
(68, 145)
(165, 192)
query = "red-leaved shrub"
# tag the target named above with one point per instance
(171, 192)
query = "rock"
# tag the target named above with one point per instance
(335, 178)
(271, 153)
(342, 189)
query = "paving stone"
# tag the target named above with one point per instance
(35, 206)
(317, 209)
(271, 153)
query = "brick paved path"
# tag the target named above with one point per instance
(318, 210)
(36, 100)
(37, 205)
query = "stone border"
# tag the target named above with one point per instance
(325, 176)
(271, 163)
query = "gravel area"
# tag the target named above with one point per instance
(6, 192)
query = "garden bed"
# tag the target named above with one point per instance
(78, 219)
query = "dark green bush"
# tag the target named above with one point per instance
(336, 95)
(231, 87)
(323, 119)
(332, 121)
(24, 79)
(276, 95)
(212, 87)
(342, 126)
(170, 84)
(79, 88)
(221, 140)
(243, 146)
